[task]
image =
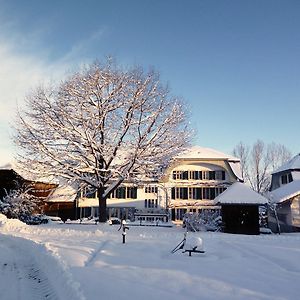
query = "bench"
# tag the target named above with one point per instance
(193, 250)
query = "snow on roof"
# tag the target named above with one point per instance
(205, 153)
(285, 192)
(296, 175)
(240, 193)
(236, 169)
(8, 166)
(292, 164)
(63, 194)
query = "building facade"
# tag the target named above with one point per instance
(189, 184)
(196, 178)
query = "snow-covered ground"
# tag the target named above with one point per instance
(73, 261)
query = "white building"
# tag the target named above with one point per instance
(285, 194)
(146, 201)
(197, 177)
(190, 184)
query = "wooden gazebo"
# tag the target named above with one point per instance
(240, 209)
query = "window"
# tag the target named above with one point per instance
(205, 175)
(219, 191)
(151, 189)
(179, 193)
(151, 203)
(185, 175)
(198, 175)
(132, 192)
(173, 193)
(211, 175)
(182, 193)
(121, 192)
(195, 193)
(206, 193)
(177, 175)
(180, 175)
(195, 175)
(286, 178)
(90, 193)
(220, 175)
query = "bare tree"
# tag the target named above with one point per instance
(241, 151)
(278, 155)
(101, 126)
(259, 165)
(259, 161)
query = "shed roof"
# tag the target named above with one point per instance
(292, 164)
(240, 193)
(285, 192)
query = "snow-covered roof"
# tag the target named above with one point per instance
(236, 169)
(292, 164)
(285, 192)
(296, 175)
(63, 194)
(7, 166)
(204, 153)
(240, 193)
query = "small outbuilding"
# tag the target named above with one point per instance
(240, 209)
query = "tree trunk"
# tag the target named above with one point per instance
(102, 205)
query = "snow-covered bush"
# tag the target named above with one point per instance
(18, 204)
(206, 220)
(263, 216)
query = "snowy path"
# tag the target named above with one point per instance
(20, 276)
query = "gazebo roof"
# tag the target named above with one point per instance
(240, 193)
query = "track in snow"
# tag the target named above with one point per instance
(20, 276)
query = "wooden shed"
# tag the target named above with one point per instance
(240, 209)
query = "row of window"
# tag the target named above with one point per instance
(123, 192)
(199, 175)
(151, 203)
(196, 193)
(151, 189)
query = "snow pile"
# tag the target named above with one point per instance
(3, 219)
(193, 242)
(11, 224)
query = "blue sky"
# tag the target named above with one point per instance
(236, 63)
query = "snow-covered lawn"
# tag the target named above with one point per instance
(90, 262)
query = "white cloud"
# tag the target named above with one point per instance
(22, 70)
(18, 75)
